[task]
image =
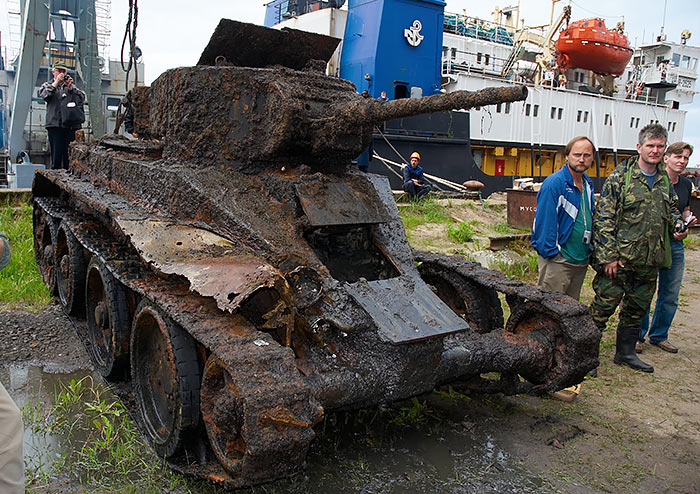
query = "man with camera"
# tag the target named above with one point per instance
(561, 233)
(64, 113)
(676, 159)
(637, 214)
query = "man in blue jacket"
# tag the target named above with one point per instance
(561, 233)
(413, 182)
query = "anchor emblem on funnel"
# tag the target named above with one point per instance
(413, 35)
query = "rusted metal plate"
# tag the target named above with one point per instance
(340, 203)
(405, 310)
(502, 241)
(522, 205)
(207, 260)
(249, 45)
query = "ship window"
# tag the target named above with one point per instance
(676, 59)
(607, 118)
(561, 112)
(585, 117)
(478, 57)
(636, 123)
(535, 110)
(674, 127)
(498, 108)
(659, 59)
(527, 110)
(454, 53)
(507, 107)
(669, 126)
(694, 65)
(685, 63)
(486, 58)
(632, 123)
(579, 115)
(553, 112)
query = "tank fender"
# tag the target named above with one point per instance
(208, 261)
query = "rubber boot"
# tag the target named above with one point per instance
(625, 354)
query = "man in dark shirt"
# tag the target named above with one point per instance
(413, 182)
(676, 159)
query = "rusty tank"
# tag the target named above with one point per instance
(241, 278)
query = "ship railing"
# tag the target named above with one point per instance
(645, 97)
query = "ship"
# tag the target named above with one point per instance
(597, 86)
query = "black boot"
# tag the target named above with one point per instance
(625, 354)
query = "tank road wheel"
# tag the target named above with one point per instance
(44, 238)
(222, 412)
(107, 315)
(70, 270)
(166, 378)
(479, 306)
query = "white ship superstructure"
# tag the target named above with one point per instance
(527, 139)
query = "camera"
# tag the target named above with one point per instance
(683, 227)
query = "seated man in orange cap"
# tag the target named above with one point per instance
(413, 181)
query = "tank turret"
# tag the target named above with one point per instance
(284, 113)
(243, 279)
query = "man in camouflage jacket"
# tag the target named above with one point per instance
(634, 218)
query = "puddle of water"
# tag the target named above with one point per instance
(366, 451)
(34, 391)
(439, 456)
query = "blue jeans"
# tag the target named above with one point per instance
(666, 299)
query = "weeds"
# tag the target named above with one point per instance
(525, 270)
(100, 445)
(692, 242)
(426, 210)
(20, 282)
(460, 232)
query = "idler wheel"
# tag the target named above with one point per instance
(44, 238)
(70, 270)
(166, 378)
(479, 306)
(107, 315)
(222, 412)
(539, 331)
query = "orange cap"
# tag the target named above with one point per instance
(415, 155)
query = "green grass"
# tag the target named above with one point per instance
(525, 270)
(102, 448)
(460, 232)
(20, 282)
(422, 211)
(692, 241)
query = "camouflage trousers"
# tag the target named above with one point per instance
(634, 288)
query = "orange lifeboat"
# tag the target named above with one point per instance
(589, 45)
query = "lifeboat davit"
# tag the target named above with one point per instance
(589, 45)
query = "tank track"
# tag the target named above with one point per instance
(560, 322)
(278, 410)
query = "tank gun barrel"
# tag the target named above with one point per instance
(362, 112)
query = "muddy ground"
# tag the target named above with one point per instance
(626, 432)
